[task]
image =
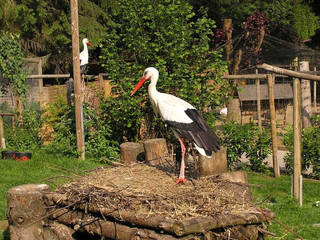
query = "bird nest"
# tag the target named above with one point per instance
(148, 191)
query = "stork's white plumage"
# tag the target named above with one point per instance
(185, 120)
(224, 111)
(84, 55)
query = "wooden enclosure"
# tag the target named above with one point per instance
(138, 202)
(297, 115)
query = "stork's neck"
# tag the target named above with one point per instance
(152, 89)
(85, 47)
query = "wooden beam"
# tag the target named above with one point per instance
(8, 114)
(273, 125)
(245, 76)
(288, 72)
(49, 76)
(296, 136)
(76, 74)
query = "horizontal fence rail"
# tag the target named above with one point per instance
(288, 72)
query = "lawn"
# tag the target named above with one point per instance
(291, 220)
(40, 167)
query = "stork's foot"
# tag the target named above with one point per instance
(180, 180)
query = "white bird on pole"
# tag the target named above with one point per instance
(184, 119)
(224, 111)
(84, 55)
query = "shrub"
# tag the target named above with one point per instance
(249, 140)
(98, 140)
(310, 150)
(165, 35)
(25, 138)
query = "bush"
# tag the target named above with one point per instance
(165, 35)
(98, 140)
(310, 147)
(249, 140)
(25, 138)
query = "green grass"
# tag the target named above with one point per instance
(274, 193)
(40, 167)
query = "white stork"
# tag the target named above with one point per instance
(84, 55)
(185, 120)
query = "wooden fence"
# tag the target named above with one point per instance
(297, 76)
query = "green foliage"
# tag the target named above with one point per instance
(305, 21)
(310, 147)
(45, 29)
(61, 117)
(99, 143)
(8, 15)
(27, 137)
(162, 34)
(249, 140)
(11, 64)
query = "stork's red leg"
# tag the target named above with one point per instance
(181, 178)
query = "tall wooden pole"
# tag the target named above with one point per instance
(2, 141)
(276, 170)
(40, 81)
(296, 136)
(258, 101)
(315, 94)
(306, 96)
(76, 75)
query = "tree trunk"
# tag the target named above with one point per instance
(306, 96)
(106, 228)
(156, 151)
(234, 112)
(131, 152)
(227, 28)
(25, 211)
(216, 164)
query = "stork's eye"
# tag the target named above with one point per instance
(145, 73)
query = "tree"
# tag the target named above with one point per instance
(44, 27)
(305, 21)
(8, 15)
(160, 34)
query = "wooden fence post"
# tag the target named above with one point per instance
(306, 96)
(296, 136)
(314, 94)
(40, 81)
(258, 101)
(76, 76)
(2, 142)
(276, 169)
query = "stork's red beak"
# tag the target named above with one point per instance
(90, 44)
(142, 80)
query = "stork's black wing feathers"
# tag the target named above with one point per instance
(198, 131)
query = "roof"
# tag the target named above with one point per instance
(249, 92)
